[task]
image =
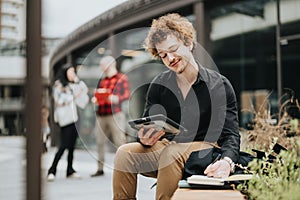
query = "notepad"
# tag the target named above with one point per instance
(205, 180)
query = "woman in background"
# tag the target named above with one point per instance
(68, 93)
(45, 127)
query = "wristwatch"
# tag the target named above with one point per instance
(231, 163)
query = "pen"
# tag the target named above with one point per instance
(153, 185)
(217, 158)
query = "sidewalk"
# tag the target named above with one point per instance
(13, 166)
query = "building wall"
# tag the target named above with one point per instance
(13, 66)
(12, 28)
(12, 86)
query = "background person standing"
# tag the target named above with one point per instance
(45, 127)
(112, 91)
(68, 93)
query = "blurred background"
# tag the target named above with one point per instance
(242, 37)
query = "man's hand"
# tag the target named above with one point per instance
(220, 169)
(76, 79)
(94, 100)
(150, 137)
(114, 99)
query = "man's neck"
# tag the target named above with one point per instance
(111, 73)
(190, 74)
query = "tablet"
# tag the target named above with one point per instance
(158, 122)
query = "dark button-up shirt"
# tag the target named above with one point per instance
(209, 111)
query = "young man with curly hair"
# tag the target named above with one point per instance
(201, 100)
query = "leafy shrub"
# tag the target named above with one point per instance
(275, 181)
(281, 178)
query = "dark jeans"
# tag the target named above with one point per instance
(68, 139)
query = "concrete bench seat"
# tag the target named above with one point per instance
(207, 194)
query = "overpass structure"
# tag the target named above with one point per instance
(130, 15)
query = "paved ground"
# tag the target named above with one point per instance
(13, 166)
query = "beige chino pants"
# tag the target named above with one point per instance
(110, 126)
(165, 161)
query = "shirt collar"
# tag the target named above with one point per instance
(202, 74)
(110, 77)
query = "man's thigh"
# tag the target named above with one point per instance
(180, 152)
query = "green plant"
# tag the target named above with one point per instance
(279, 180)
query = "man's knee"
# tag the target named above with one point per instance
(124, 159)
(170, 155)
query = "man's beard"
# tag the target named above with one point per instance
(181, 69)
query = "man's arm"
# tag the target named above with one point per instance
(152, 98)
(230, 137)
(124, 91)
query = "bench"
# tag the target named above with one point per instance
(207, 194)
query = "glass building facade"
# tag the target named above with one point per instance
(239, 36)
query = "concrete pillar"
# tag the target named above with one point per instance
(203, 24)
(203, 29)
(112, 45)
(33, 99)
(70, 58)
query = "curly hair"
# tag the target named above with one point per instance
(170, 24)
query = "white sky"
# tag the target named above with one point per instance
(61, 17)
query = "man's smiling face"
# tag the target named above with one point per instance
(174, 54)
